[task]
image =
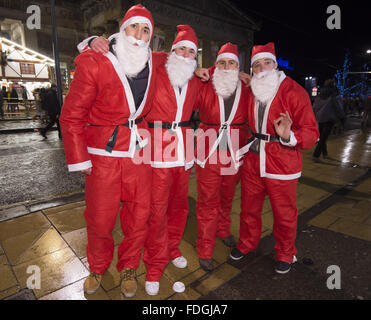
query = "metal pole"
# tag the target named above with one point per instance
(56, 53)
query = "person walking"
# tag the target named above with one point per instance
(1, 106)
(53, 109)
(328, 110)
(13, 100)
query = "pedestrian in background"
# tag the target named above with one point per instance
(38, 103)
(13, 100)
(1, 106)
(366, 117)
(53, 108)
(25, 98)
(328, 110)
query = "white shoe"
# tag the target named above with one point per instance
(152, 288)
(180, 262)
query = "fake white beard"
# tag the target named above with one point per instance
(225, 82)
(265, 84)
(179, 69)
(132, 58)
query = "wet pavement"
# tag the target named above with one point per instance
(41, 224)
(33, 168)
(20, 126)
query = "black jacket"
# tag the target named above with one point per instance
(327, 107)
(51, 103)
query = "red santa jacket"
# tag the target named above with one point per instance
(277, 160)
(172, 148)
(211, 107)
(99, 101)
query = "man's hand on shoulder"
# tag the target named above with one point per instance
(100, 44)
(245, 78)
(203, 74)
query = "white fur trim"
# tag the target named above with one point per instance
(137, 19)
(134, 114)
(113, 154)
(228, 55)
(283, 176)
(83, 45)
(227, 123)
(292, 143)
(80, 166)
(185, 43)
(172, 164)
(262, 157)
(263, 55)
(245, 149)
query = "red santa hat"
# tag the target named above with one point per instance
(229, 50)
(137, 14)
(186, 37)
(265, 51)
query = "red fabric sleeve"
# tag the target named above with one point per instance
(79, 100)
(200, 95)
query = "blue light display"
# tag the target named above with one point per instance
(284, 64)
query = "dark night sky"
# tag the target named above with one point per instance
(301, 36)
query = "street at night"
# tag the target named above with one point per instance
(80, 220)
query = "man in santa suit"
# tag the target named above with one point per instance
(282, 123)
(168, 120)
(223, 130)
(169, 123)
(100, 121)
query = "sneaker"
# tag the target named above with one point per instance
(92, 283)
(152, 288)
(229, 241)
(236, 254)
(315, 159)
(128, 282)
(206, 264)
(180, 262)
(43, 133)
(283, 267)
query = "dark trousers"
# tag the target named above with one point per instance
(53, 119)
(324, 131)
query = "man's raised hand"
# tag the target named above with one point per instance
(282, 125)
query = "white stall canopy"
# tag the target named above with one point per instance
(18, 63)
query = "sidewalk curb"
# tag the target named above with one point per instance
(25, 130)
(267, 243)
(24, 208)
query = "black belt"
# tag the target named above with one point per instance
(168, 125)
(265, 137)
(112, 141)
(224, 125)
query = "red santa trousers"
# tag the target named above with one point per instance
(116, 180)
(282, 195)
(169, 210)
(213, 206)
